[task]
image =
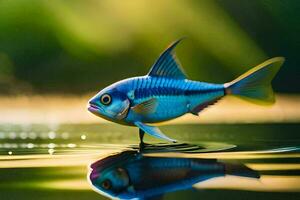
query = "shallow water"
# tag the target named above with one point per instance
(53, 161)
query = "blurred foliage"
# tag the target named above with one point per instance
(64, 46)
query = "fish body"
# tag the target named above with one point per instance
(173, 97)
(131, 175)
(166, 93)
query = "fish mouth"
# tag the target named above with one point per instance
(93, 108)
(100, 112)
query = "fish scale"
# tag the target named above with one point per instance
(166, 93)
(178, 97)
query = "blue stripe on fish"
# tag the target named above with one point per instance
(165, 93)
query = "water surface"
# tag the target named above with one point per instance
(53, 161)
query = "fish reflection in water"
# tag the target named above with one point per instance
(133, 175)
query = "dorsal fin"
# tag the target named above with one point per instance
(167, 64)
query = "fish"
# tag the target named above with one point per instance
(166, 93)
(134, 175)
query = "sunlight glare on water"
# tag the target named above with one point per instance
(51, 150)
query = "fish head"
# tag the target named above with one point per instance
(110, 103)
(112, 181)
(109, 176)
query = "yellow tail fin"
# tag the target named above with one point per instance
(255, 84)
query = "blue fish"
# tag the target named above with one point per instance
(132, 175)
(166, 93)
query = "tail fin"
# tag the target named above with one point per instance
(255, 85)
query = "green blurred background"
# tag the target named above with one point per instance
(76, 47)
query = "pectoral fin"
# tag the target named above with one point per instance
(154, 131)
(146, 107)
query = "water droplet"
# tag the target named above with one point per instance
(51, 145)
(6, 145)
(83, 137)
(30, 145)
(12, 135)
(71, 145)
(51, 135)
(51, 151)
(32, 135)
(23, 135)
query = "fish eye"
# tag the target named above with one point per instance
(106, 184)
(105, 99)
